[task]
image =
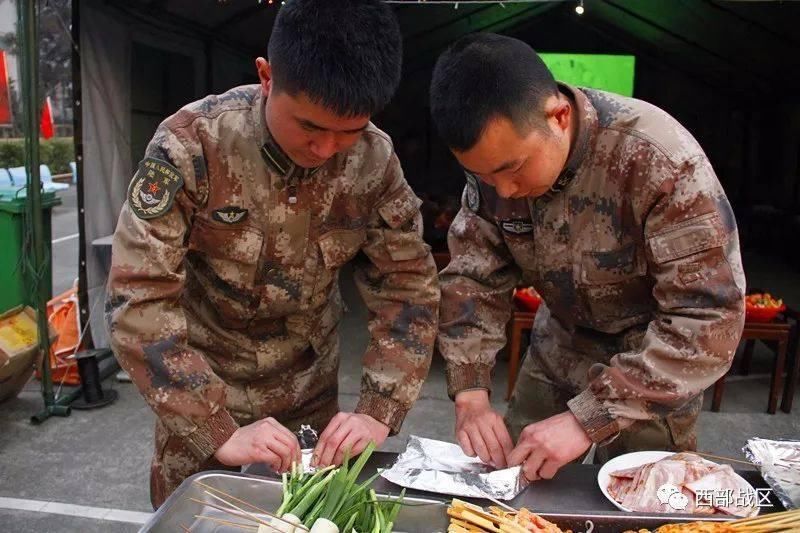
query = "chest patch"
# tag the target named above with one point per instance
(229, 215)
(517, 226)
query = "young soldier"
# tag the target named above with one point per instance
(223, 300)
(611, 210)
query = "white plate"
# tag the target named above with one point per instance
(632, 460)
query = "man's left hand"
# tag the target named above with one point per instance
(347, 431)
(546, 446)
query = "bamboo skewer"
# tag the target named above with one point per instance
(251, 515)
(721, 458)
(501, 504)
(186, 529)
(226, 522)
(730, 459)
(248, 504)
(234, 513)
(786, 515)
(231, 497)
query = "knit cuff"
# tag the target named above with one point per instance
(215, 431)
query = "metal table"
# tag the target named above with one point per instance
(573, 490)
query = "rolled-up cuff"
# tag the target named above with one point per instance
(217, 429)
(601, 427)
(383, 409)
(468, 376)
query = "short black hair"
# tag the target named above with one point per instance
(345, 55)
(483, 76)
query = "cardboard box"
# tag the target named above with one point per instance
(19, 346)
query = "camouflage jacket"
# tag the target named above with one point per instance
(225, 272)
(636, 254)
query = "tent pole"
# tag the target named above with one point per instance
(77, 137)
(27, 28)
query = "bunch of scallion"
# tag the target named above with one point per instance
(330, 501)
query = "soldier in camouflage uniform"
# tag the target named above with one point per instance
(223, 299)
(611, 210)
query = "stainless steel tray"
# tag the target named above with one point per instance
(428, 515)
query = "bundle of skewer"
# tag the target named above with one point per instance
(785, 521)
(771, 523)
(240, 514)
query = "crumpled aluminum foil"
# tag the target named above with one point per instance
(442, 467)
(779, 462)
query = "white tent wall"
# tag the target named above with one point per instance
(115, 131)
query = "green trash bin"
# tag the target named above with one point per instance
(15, 288)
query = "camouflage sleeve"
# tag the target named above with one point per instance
(400, 288)
(146, 323)
(693, 254)
(476, 299)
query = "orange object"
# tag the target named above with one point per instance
(762, 314)
(528, 298)
(63, 318)
(762, 307)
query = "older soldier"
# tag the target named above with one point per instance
(223, 301)
(611, 210)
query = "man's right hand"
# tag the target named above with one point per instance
(480, 429)
(265, 441)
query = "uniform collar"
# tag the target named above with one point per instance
(587, 129)
(274, 156)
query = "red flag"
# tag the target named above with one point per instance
(5, 100)
(46, 127)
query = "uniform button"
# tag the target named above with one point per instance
(272, 271)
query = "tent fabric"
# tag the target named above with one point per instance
(105, 112)
(108, 36)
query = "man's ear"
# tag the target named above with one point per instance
(264, 70)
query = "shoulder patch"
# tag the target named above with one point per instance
(229, 215)
(473, 194)
(153, 188)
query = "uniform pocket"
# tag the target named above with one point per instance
(615, 287)
(404, 245)
(336, 247)
(231, 252)
(340, 245)
(689, 237)
(225, 261)
(522, 248)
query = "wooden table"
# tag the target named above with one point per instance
(779, 332)
(521, 320)
(794, 370)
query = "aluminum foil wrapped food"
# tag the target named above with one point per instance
(779, 462)
(442, 467)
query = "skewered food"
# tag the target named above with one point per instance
(466, 517)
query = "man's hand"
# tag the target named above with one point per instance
(480, 429)
(265, 441)
(347, 431)
(546, 446)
